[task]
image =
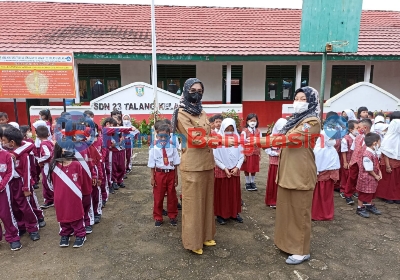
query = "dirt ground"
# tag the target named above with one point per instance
(126, 245)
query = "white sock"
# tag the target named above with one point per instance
(252, 178)
(247, 179)
(298, 257)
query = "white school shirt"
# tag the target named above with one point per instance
(343, 145)
(353, 145)
(367, 163)
(272, 152)
(173, 138)
(156, 158)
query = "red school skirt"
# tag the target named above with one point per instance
(323, 202)
(272, 187)
(227, 197)
(251, 164)
(389, 186)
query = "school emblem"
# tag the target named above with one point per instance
(75, 177)
(17, 163)
(306, 127)
(139, 91)
(3, 167)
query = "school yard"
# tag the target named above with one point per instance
(126, 245)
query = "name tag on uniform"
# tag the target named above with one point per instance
(75, 177)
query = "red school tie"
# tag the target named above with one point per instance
(165, 157)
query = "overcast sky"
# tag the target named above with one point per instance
(293, 4)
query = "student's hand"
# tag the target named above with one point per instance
(94, 182)
(388, 169)
(98, 183)
(176, 181)
(346, 165)
(26, 194)
(13, 157)
(153, 182)
(378, 178)
(234, 171)
(41, 165)
(231, 142)
(228, 174)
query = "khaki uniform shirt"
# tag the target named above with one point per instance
(196, 155)
(297, 169)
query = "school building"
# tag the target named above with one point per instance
(245, 56)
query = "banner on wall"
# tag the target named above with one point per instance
(37, 75)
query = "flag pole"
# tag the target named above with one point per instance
(154, 57)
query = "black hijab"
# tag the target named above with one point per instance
(312, 111)
(192, 108)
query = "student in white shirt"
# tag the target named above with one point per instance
(163, 160)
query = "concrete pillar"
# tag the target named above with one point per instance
(228, 83)
(77, 94)
(367, 72)
(298, 76)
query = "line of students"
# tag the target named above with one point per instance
(77, 174)
(362, 165)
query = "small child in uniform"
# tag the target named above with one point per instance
(345, 145)
(217, 122)
(273, 153)
(65, 175)
(6, 213)
(3, 118)
(163, 160)
(227, 194)
(44, 158)
(369, 176)
(251, 163)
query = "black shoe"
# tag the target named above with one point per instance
(158, 223)
(253, 185)
(164, 213)
(397, 201)
(389, 201)
(97, 219)
(42, 223)
(373, 210)
(362, 212)
(121, 185)
(355, 195)
(111, 189)
(173, 222)
(79, 241)
(249, 187)
(15, 246)
(115, 186)
(22, 232)
(47, 205)
(221, 220)
(64, 242)
(349, 201)
(88, 230)
(239, 219)
(179, 206)
(125, 176)
(128, 171)
(342, 195)
(35, 187)
(34, 236)
(103, 204)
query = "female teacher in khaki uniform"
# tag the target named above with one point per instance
(296, 182)
(196, 168)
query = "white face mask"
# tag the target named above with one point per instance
(228, 132)
(376, 148)
(29, 134)
(355, 132)
(331, 143)
(300, 107)
(252, 124)
(388, 121)
(126, 122)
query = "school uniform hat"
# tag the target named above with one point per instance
(14, 124)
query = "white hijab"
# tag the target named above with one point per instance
(278, 126)
(350, 115)
(228, 156)
(377, 123)
(130, 124)
(326, 158)
(14, 124)
(390, 146)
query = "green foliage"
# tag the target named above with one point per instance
(233, 115)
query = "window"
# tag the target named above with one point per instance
(305, 75)
(236, 84)
(280, 82)
(344, 76)
(173, 77)
(98, 79)
(371, 77)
